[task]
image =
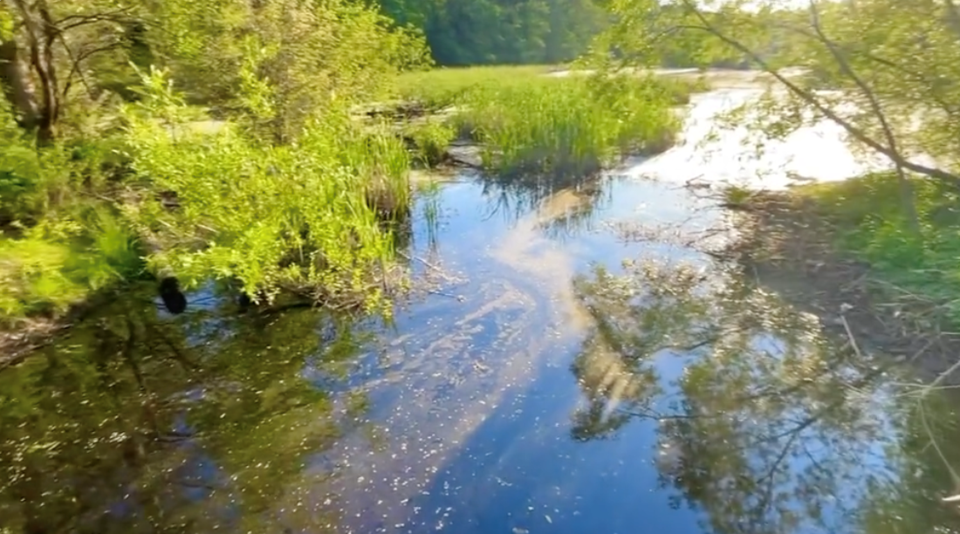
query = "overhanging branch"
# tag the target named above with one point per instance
(811, 99)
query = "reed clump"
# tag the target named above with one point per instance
(567, 126)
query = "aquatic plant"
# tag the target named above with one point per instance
(567, 126)
(430, 139)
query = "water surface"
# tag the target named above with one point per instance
(542, 384)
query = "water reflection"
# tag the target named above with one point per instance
(761, 422)
(689, 387)
(134, 423)
(563, 205)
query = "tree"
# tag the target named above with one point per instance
(46, 48)
(886, 72)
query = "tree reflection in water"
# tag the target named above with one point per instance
(762, 423)
(136, 423)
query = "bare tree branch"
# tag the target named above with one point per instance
(68, 23)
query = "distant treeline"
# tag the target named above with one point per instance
(476, 32)
(483, 32)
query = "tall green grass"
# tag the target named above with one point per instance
(568, 126)
(438, 88)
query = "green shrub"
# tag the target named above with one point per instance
(303, 216)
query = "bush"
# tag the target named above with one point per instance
(301, 217)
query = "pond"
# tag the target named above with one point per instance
(554, 373)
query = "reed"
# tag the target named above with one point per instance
(567, 126)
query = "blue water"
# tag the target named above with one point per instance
(515, 391)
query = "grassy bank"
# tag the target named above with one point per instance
(869, 223)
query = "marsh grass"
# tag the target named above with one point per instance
(438, 88)
(566, 127)
(541, 133)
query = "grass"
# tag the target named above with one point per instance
(870, 224)
(438, 88)
(542, 133)
(567, 126)
(54, 266)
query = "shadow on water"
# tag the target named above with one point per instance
(139, 423)
(539, 386)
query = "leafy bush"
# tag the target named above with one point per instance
(302, 216)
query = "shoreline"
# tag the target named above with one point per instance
(789, 247)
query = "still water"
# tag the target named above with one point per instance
(551, 375)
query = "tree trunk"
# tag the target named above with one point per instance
(41, 33)
(17, 86)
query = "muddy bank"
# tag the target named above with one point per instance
(785, 244)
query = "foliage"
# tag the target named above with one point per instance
(126, 166)
(870, 224)
(430, 139)
(278, 64)
(271, 216)
(475, 32)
